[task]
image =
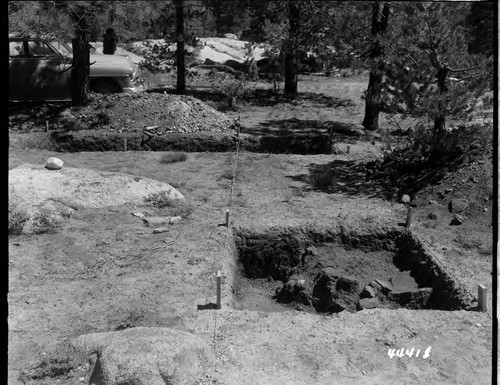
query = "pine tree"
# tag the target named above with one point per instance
(181, 67)
(429, 71)
(380, 20)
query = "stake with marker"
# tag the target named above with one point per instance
(219, 282)
(482, 295)
(408, 217)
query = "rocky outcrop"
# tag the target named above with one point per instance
(146, 356)
(38, 195)
(297, 289)
(334, 293)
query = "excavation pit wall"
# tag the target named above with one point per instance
(328, 271)
(102, 140)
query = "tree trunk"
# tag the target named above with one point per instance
(370, 121)
(291, 62)
(109, 42)
(111, 14)
(440, 118)
(81, 60)
(291, 88)
(372, 102)
(181, 67)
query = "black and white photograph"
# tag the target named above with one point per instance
(252, 192)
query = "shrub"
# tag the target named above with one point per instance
(426, 158)
(175, 207)
(51, 368)
(158, 58)
(17, 219)
(173, 157)
(231, 87)
(45, 222)
(468, 241)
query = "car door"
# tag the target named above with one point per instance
(42, 73)
(19, 87)
(51, 78)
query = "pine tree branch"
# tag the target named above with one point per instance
(470, 77)
(467, 69)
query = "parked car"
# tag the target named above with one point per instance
(40, 69)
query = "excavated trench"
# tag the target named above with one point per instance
(327, 271)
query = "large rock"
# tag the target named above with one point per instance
(146, 356)
(324, 290)
(36, 192)
(403, 281)
(334, 293)
(416, 299)
(348, 285)
(381, 285)
(458, 205)
(54, 164)
(296, 289)
(368, 292)
(368, 303)
(457, 220)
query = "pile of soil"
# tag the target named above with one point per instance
(156, 113)
(473, 182)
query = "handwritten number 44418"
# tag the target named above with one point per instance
(408, 352)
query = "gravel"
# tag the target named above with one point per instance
(157, 113)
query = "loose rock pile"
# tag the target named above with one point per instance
(332, 292)
(153, 113)
(156, 113)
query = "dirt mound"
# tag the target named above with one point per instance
(40, 199)
(473, 182)
(155, 113)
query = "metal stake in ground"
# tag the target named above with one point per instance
(219, 282)
(227, 218)
(482, 295)
(408, 217)
(406, 201)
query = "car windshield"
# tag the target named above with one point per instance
(63, 48)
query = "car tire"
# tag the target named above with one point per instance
(104, 86)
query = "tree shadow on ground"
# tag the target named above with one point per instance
(266, 98)
(305, 127)
(25, 116)
(355, 178)
(263, 98)
(347, 177)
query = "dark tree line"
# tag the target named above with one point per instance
(407, 46)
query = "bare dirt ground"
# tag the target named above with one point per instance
(103, 270)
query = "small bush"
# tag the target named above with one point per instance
(51, 368)
(232, 88)
(468, 241)
(45, 222)
(173, 157)
(158, 58)
(228, 174)
(321, 179)
(159, 199)
(175, 207)
(17, 219)
(425, 159)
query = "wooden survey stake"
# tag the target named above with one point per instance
(408, 217)
(219, 282)
(482, 295)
